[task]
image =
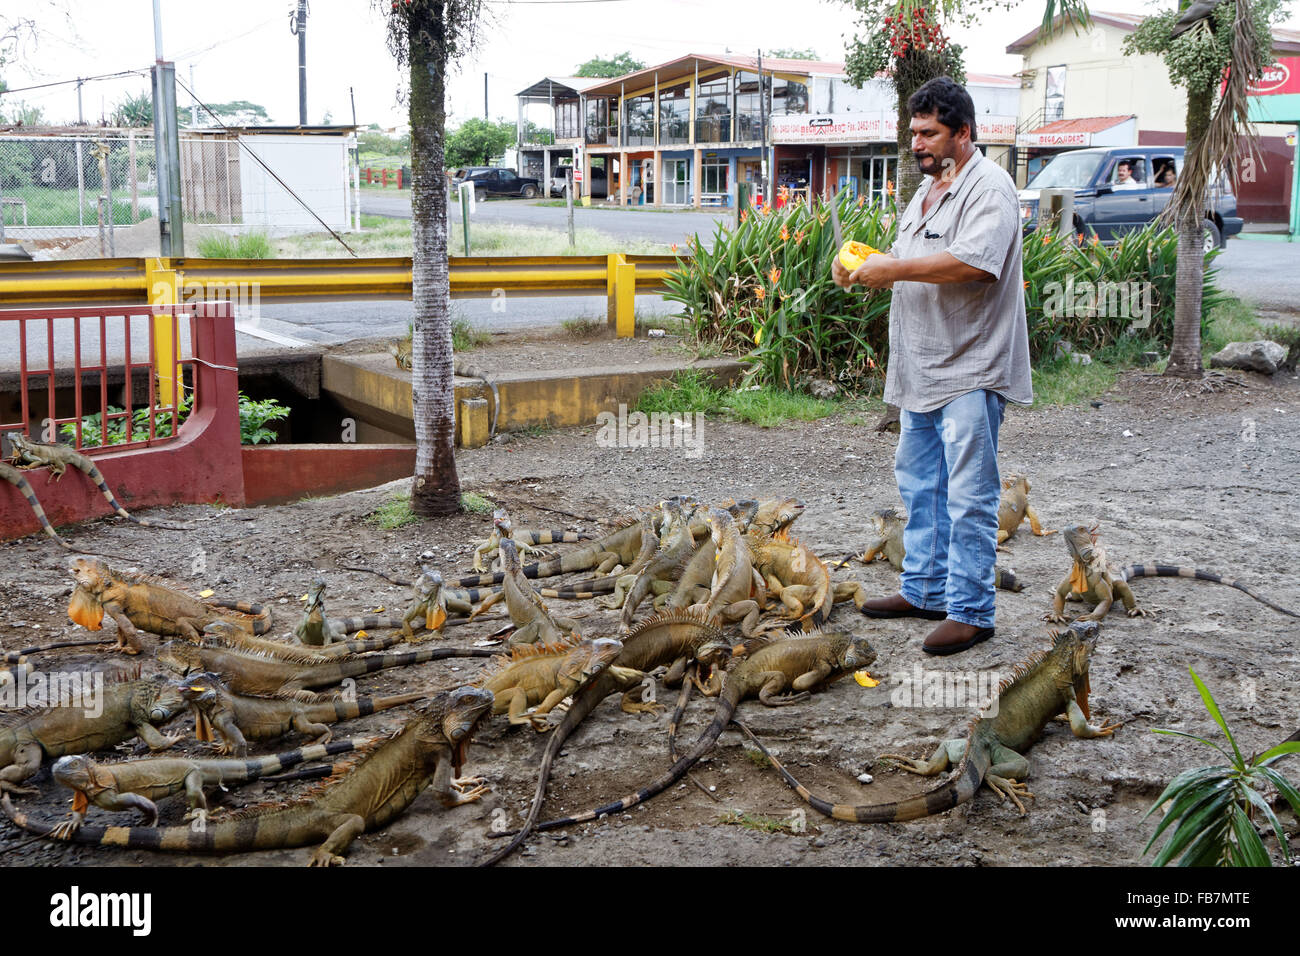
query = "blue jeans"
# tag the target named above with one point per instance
(947, 471)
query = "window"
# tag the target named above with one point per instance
(1129, 172)
(713, 176)
(789, 97)
(599, 127)
(713, 111)
(640, 121)
(1165, 171)
(674, 115)
(507, 175)
(567, 120)
(748, 121)
(1054, 101)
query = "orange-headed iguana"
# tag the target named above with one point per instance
(239, 718)
(1047, 684)
(1014, 508)
(888, 543)
(1094, 580)
(796, 664)
(136, 784)
(28, 454)
(428, 751)
(135, 601)
(97, 721)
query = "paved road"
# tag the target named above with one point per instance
(647, 225)
(1262, 271)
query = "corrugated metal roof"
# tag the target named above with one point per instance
(1284, 41)
(1087, 124)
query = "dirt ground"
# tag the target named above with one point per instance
(1207, 480)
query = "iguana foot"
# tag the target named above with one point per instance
(1137, 612)
(199, 814)
(323, 857)
(1007, 787)
(1105, 730)
(1053, 618)
(459, 797)
(906, 763)
(460, 783)
(7, 787)
(65, 830)
(786, 699)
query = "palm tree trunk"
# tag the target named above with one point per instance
(1185, 352)
(436, 487)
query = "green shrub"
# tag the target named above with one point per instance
(253, 417)
(250, 245)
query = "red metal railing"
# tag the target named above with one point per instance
(114, 341)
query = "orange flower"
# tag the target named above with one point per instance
(674, 247)
(889, 187)
(1026, 283)
(861, 200)
(760, 293)
(1080, 237)
(785, 234)
(744, 214)
(774, 275)
(798, 236)
(870, 364)
(1096, 239)
(767, 209)
(1046, 239)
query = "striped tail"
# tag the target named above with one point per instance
(15, 478)
(1006, 579)
(255, 767)
(87, 466)
(260, 613)
(338, 709)
(592, 589)
(369, 622)
(550, 536)
(706, 741)
(1177, 571)
(679, 711)
(360, 646)
(354, 667)
(469, 371)
(970, 774)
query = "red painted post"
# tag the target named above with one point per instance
(385, 182)
(399, 178)
(368, 172)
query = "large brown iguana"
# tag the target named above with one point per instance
(888, 543)
(97, 721)
(735, 581)
(1047, 684)
(136, 601)
(541, 675)
(533, 622)
(672, 640)
(796, 577)
(29, 454)
(238, 718)
(1014, 508)
(136, 784)
(796, 664)
(262, 675)
(602, 555)
(427, 752)
(660, 574)
(1095, 580)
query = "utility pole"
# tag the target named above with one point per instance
(298, 27)
(81, 171)
(486, 157)
(762, 122)
(170, 240)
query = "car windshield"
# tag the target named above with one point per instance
(1067, 171)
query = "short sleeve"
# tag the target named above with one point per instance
(987, 230)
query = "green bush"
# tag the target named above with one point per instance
(764, 292)
(253, 418)
(251, 245)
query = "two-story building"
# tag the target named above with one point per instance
(687, 132)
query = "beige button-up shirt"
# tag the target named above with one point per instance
(949, 339)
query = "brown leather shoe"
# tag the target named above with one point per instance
(952, 637)
(897, 606)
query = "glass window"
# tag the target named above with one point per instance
(640, 121)
(714, 176)
(713, 111)
(674, 115)
(567, 120)
(600, 129)
(789, 97)
(1067, 171)
(748, 122)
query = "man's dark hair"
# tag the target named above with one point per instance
(1124, 162)
(947, 100)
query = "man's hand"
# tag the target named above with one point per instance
(840, 274)
(877, 272)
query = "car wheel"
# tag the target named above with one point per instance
(480, 195)
(1213, 239)
(530, 192)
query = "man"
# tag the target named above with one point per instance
(958, 351)
(1124, 176)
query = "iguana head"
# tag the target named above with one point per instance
(1011, 479)
(17, 443)
(856, 653)
(1075, 645)
(315, 598)
(161, 698)
(501, 523)
(887, 519)
(720, 523)
(79, 772)
(180, 656)
(201, 690)
(428, 594)
(775, 515)
(1081, 542)
(589, 658)
(91, 574)
(453, 716)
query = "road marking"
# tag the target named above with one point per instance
(258, 332)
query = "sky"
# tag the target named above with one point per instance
(243, 50)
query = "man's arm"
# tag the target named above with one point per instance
(879, 272)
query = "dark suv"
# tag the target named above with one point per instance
(1110, 201)
(498, 182)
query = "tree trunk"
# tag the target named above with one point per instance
(1185, 352)
(436, 487)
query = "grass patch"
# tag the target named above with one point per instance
(534, 431)
(671, 324)
(465, 337)
(475, 503)
(250, 245)
(394, 513)
(1231, 321)
(584, 327)
(756, 821)
(756, 757)
(689, 391)
(1063, 381)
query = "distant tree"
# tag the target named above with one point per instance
(24, 114)
(237, 113)
(134, 111)
(476, 142)
(537, 134)
(614, 66)
(790, 53)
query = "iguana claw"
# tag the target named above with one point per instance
(1008, 787)
(66, 830)
(323, 857)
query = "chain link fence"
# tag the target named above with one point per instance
(95, 194)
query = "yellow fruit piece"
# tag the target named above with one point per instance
(853, 254)
(864, 679)
(208, 593)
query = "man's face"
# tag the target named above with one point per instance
(1122, 173)
(934, 146)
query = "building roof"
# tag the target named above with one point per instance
(147, 131)
(1284, 41)
(992, 79)
(1089, 124)
(549, 85)
(685, 66)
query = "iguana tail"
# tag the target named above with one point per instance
(260, 613)
(368, 664)
(728, 700)
(94, 474)
(368, 622)
(1178, 571)
(469, 371)
(580, 591)
(15, 478)
(253, 768)
(402, 582)
(1006, 579)
(964, 784)
(341, 709)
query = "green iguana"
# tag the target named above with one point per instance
(533, 622)
(1014, 508)
(660, 574)
(427, 751)
(793, 663)
(693, 579)
(262, 675)
(238, 718)
(230, 635)
(15, 478)
(735, 581)
(430, 598)
(773, 517)
(124, 710)
(1095, 580)
(136, 784)
(888, 543)
(796, 577)
(528, 541)
(673, 640)
(403, 349)
(137, 601)
(316, 630)
(29, 454)
(991, 752)
(620, 546)
(541, 675)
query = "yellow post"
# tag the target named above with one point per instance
(161, 280)
(620, 282)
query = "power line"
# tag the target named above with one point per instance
(80, 79)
